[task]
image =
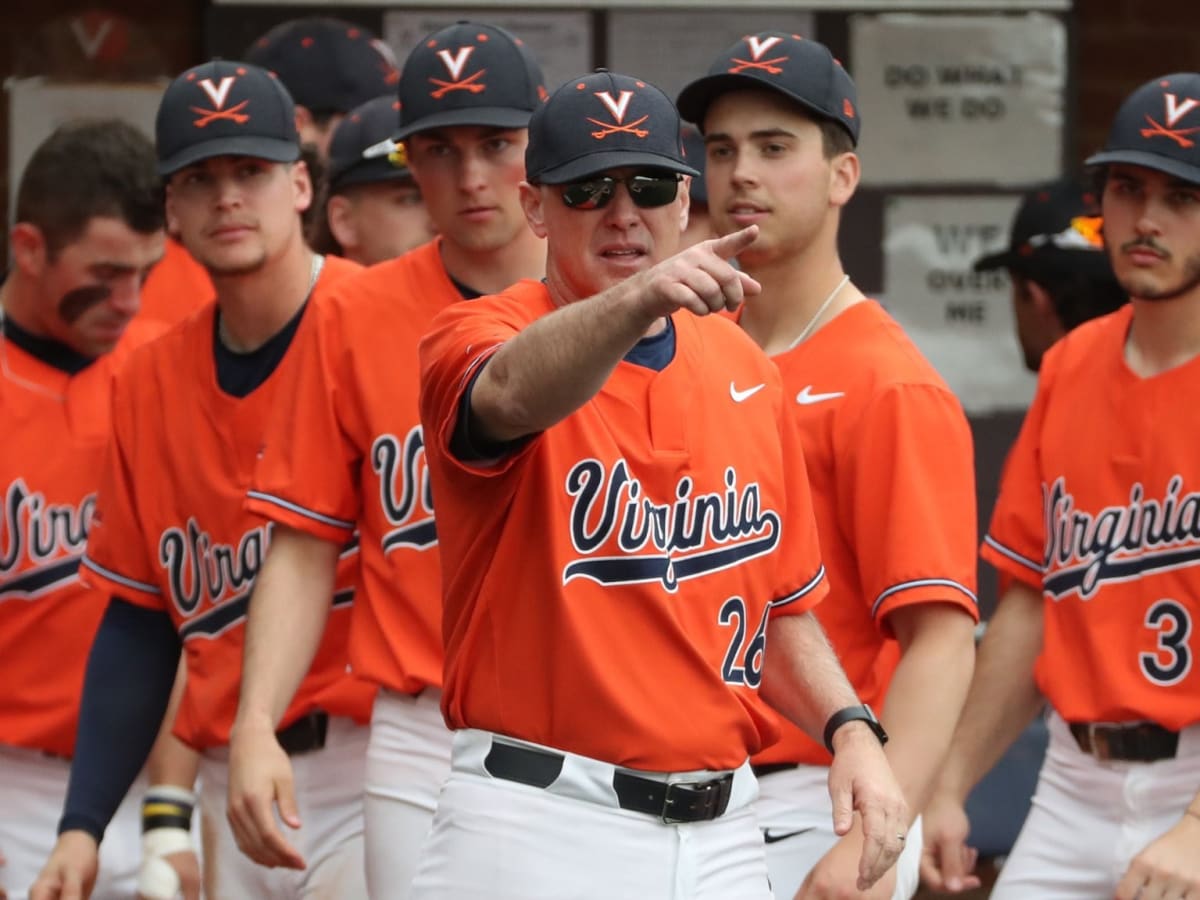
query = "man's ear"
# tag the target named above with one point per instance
(685, 191)
(29, 248)
(341, 223)
(1043, 306)
(302, 185)
(845, 171)
(172, 217)
(531, 203)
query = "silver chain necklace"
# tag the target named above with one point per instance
(812, 323)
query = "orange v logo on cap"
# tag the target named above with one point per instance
(618, 106)
(1175, 112)
(759, 47)
(218, 94)
(455, 63)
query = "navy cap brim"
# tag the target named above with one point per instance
(1047, 261)
(480, 116)
(271, 149)
(595, 163)
(1002, 260)
(696, 97)
(368, 175)
(1175, 167)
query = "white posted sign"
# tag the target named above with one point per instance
(959, 99)
(960, 319)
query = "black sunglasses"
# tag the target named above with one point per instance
(646, 191)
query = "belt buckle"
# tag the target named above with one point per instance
(708, 800)
(1100, 738)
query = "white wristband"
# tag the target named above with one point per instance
(157, 878)
(172, 793)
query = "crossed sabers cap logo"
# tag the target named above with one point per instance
(618, 106)
(759, 47)
(455, 63)
(1176, 110)
(218, 95)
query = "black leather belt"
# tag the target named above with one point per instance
(771, 768)
(1140, 742)
(673, 803)
(305, 735)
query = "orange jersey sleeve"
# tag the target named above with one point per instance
(175, 288)
(1100, 508)
(891, 463)
(173, 532)
(56, 427)
(608, 586)
(345, 451)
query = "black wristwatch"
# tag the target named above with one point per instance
(853, 714)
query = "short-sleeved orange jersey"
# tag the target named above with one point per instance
(891, 464)
(608, 585)
(56, 426)
(345, 449)
(176, 287)
(1100, 510)
(171, 531)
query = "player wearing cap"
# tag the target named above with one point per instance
(88, 227)
(1055, 260)
(372, 206)
(329, 66)
(171, 542)
(347, 454)
(1096, 526)
(887, 446)
(628, 549)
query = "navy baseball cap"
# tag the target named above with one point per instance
(363, 151)
(469, 74)
(1056, 230)
(1156, 127)
(599, 122)
(695, 154)
(224, 108)
(327, 65)
(802, 70)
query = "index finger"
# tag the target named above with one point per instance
(732, 244)
(873, 861)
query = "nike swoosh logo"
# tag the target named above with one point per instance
(739, 396)
(770, 837)
(806, 397)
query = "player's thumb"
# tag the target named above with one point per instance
(843, 809)
(951, 854)
(750, 287)
(285, 793)
(70, 886)
(731, 245)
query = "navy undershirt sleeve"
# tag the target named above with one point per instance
(467, 446)
(126, 688)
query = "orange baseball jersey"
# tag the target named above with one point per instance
(171, 530)
(607, 586)
(56, 426)
(892, 468)
(1100, 510)
(345, 449)
(176, 287)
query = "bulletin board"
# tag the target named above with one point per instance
(964, 105)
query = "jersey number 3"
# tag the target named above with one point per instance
(1172, 658)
